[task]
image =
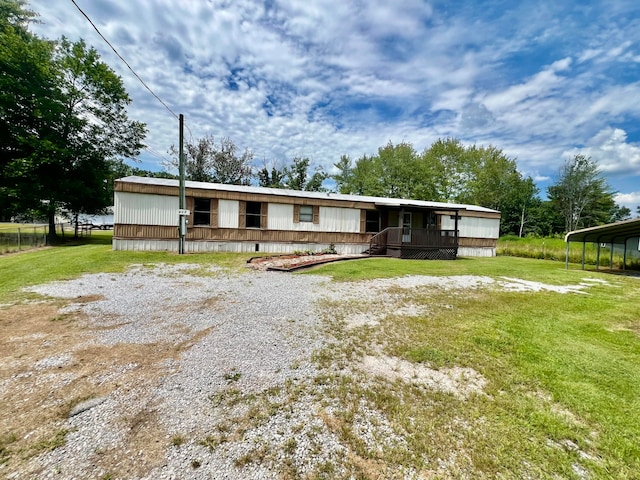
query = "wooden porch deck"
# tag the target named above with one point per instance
(415, 243)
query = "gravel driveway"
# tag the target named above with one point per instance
(202, 372)
(257, 333)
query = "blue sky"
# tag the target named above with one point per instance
(541, 80)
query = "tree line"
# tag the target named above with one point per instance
(447, 171)
(65, 135)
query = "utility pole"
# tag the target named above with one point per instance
(182, 214)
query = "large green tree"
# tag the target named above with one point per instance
(361, 178)
(451, 166)
(395, 171)
(65, 122)
(448, 171)
(27, 101)
(581, 194)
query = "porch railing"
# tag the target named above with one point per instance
(414, 237)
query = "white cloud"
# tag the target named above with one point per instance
(327, 78)
(539, 86)
(630, 200)
(609, 147)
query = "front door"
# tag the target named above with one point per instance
(406, 227)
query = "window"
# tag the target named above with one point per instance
(201, 211)
(429, 220)
(372, 221)
(253, 214)
(306, 213)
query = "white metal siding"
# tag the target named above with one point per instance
(476, 252)
(280, 217)
(246, 247)
(145, 209)
(228, 213)
(332, 219)
(473, 227)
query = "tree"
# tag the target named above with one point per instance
(619, 213)
(64, 122)
(445, 172)
(271, 178)
(344, 176)
(209, 161)
(403, 175)
(297, 176)
(581, 194)
(27, 84)
(96, 133)
(450, 168)
(493, 181)
(198, 159)
(396, 171)
(365, 178)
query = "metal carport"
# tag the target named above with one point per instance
(613, 233)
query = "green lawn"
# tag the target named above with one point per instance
(91, 254)
(562, 398)
(563, 390)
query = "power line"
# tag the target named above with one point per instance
(125, 62)
(156, 154)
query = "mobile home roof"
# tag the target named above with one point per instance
(380, 201)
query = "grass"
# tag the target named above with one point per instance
(90, 255)
(13, 227)
(548, 271)
(58, 440)
(563, 391)
(563, 384)
(5, 441)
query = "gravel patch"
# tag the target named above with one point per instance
(261, 329)
(458, 381)
(236, 403)
(53, 362)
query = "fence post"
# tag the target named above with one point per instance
(19, 246)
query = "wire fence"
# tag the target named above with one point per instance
(19, 237)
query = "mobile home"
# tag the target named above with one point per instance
(234, 218)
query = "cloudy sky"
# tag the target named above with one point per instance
(542, 80)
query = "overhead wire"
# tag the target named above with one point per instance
(131, 69)
(123, 60)
(156, 154)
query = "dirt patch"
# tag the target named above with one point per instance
(49, 364)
